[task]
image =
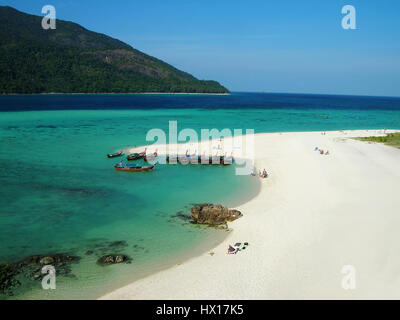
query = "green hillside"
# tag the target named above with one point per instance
(72, 59)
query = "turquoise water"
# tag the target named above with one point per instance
(59, 193)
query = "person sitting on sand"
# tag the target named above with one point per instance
(321, 151)
(232, 250)
(265, 174)
(327, 152)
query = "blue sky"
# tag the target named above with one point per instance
(271, 46)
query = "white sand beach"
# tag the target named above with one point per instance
(314, 214)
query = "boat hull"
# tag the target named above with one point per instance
(114, 155)
(134, 157)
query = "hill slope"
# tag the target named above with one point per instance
(72, 59)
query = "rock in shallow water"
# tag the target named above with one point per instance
(113, 259)
(46, 260)
(56, 259)
(7, 279)
(30, 268)
(213, 214)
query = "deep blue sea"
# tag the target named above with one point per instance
(59, 193)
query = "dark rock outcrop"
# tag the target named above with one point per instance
(213, 214)
(7, 279)
(46, 260)
(30, 268)
(113, 259)
(58, 259)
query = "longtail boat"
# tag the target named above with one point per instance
(227, 161)
(128, 167)
(134, 156)
(216, 160)
(184, 159)
(114, 155)
(194, 159)
(205, 159)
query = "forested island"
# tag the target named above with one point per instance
(71, 59)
